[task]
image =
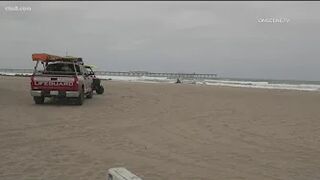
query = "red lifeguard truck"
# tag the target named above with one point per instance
(61, 77)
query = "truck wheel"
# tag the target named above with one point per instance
(89, 96)
(100, 90)
(38, 99)
(80, 99)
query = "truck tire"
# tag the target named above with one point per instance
(38, 99)
(80, 99)
(100, 90)
(90, 94)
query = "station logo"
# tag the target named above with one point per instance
(273, 20)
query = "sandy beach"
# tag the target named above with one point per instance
(161, 132)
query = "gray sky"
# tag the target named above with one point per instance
(203, 37)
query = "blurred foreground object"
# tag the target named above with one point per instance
(121, 173)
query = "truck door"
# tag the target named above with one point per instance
(87, 80)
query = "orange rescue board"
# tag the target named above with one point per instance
(45, 57)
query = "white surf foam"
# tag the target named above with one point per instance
(265, 85)
(137, 79)
(15, 74)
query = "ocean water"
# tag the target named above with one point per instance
(231, 82)
(247, 83)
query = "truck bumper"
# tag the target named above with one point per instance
(56, 93)
(72, 94)
(36, 93)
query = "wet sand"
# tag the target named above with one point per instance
(161, 132)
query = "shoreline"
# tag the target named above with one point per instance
(192, 84)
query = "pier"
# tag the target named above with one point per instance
(154, 74)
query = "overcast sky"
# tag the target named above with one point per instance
(203, 37)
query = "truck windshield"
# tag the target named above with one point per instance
(61, 68)
(89, 70)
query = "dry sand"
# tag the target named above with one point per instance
(161, 131)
